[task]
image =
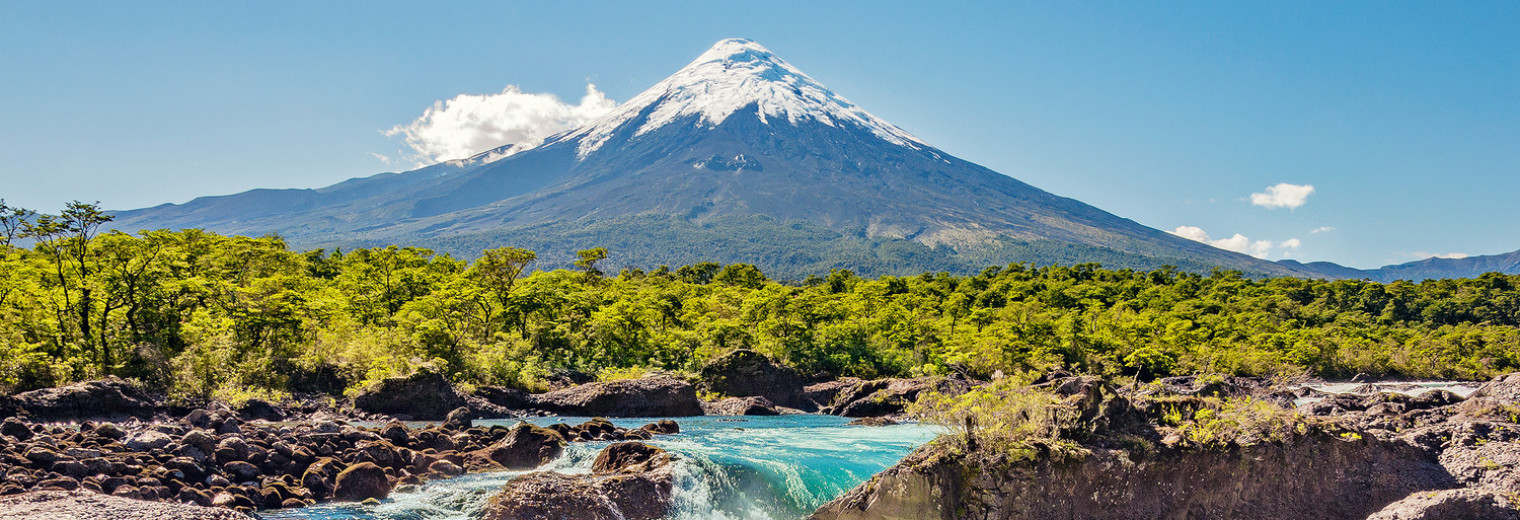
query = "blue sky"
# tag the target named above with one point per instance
(1403, 116)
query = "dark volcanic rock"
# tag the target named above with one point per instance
(741, 406)
(525, 447)
(749, 373)
(1504, 388)
(459, 419)
(260, 409)
(424, 395)
(111, 398)
(16, 429)
(85, 505)
(629, 457)
(361, 481)
(1451, 504)
(1318, 475)
(634, 482)
(889, 396)
(648, 397)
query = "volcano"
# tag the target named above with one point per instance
(737, 157)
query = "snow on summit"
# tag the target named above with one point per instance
(734, 74)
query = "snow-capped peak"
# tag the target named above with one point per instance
(733, 74)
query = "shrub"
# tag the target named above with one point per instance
(1006, 416)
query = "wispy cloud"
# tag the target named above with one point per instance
(382, 157)
(1238, 243)
(1321, 229)
(469, 124)
(1448, 256)
(1283, 195)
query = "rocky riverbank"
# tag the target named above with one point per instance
(217, 460)
(1430, 456)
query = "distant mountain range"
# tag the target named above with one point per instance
(738, 157)
(1430, 268)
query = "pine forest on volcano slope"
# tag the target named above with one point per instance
(738, 148)
(201, 314)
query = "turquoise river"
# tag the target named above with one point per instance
(729, 468)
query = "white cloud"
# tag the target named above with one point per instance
(1192, 233)
(469, 124)
(1321, 229)
(1283, 195)
(382, 157)
(1238, 243)
(1448, 256)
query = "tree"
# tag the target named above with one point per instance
(741, 275)
(13, 223)
(498, 269)
(700, 273)
(588, 259)
(66, 239)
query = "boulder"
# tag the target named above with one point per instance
(259, 409)
(629, 457)
(525, 447)
(149, 441)
(1504, 388)
(889, 396)
(660, 396)
(872, 421)
(425, 396)
(111, 398)
(1490, 463)
(662, 427)
(362, 481)
(756, 405)
(16, 429)
(748, 373)
(632, 482)
(110, 431)
(507, 398)
(1451, 504)
(459, 419)
(822, 395)
(239, 471)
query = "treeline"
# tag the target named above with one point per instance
(202, 315)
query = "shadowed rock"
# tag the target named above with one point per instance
(629, 481)
(659, 396)
(748, 373)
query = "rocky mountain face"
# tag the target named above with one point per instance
(738, 157)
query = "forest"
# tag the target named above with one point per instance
(203, 315)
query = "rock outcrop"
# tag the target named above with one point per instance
(888, 396)
(659, 396)
(106, 399)
(1319, 476)
(745, 373)
(426, 395)
(629, 481)
(524, 447)
(741, 406)
(1451, 504)
(1380, 456)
